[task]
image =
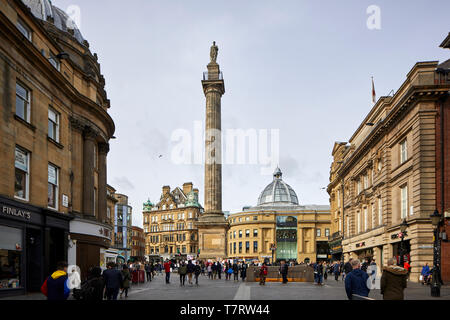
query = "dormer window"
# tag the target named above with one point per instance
(24, 29)
(55, 61)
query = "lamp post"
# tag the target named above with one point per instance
(436, 285)
(273, 247)
(403, 227)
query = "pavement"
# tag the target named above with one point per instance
(231, 290)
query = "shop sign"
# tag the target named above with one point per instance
(65, 201)
(399, 235)
(362, 244)
(16, 212)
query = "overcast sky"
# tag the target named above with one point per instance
(303, 67)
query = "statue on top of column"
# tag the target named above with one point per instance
(213, 52)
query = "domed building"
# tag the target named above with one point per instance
(55, 130)
(279, 228)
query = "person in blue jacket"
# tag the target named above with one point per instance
(356, 281)
(425, 273)
(57, 288)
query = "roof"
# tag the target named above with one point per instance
(278, 192)
(446, 43)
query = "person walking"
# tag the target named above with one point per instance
(284, 271)
(320, 271)
(229, 271)
(113, 281)
(167, 266)
(393, 281)
(236, 272)
(407, 266)
(347, 268)
(219, 270)
(148, 272)
(244, 271)
(209, 268)
(126, 278)
(263, 271)
(197, 272)
(425, 274)
(56, 286)
(336, 271)
(182, 271)
(190, 271)
(356, 281)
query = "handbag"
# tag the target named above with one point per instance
(230, 271)
(421, 278)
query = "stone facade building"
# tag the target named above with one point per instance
(123, 219)
(170, 225)
(54, 135)
(295, 232)
(137, 244)
(386, 174)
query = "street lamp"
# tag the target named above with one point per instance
(273, 247)
(403, 227)
(436, 285)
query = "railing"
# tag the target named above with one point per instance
(212, 76)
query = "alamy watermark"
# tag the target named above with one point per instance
(374, 19)
(231, 146)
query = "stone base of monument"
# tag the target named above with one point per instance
(298, 273)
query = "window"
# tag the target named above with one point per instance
(24, 29)
(231, 235)
(255, 218)
(54, 61)
(240, 247)
(22, 102)
(234, 234)
(108, 214)
(358, 221)
(403, 151)
(339, 198)
(380, 211)
(231, 248)
(240, 233)
(340, 224)
(255, 232)
(247, 247)
(53, 186)
(234, 247)
(95, 202)
(190, 215)
(53, 125)
(359, 186)
(11, 257)
(318, 232)
(247, 233)
(22, 164)
(348, 226)
(366, 181)
(366, 219)
(404, 201)
(255, 246)
(327, 231)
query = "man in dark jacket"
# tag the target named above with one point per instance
(57, 288)
(284, 271)
(236, 271)
(113, 281)
(190, 271)
(393, 281)
(356, 281)
(348, 267)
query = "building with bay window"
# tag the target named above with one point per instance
(54, 140)
(279, 227)
(170, 225)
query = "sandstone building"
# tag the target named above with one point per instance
(295, 232)
(54, 140)
(170, 225)
(387, 173)
(137, 244)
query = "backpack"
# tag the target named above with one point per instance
(86, 292)
(230, 271)
(265, 271)
(44, 288)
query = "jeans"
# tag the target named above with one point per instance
(236, 276)
(112, 293)
(284, 275)
(149, 276)
(182, 279)
(167, 277)
(196, 279)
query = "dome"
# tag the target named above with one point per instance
(278, 192)
(44, 10)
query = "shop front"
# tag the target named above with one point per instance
(336, 249)
(32, 241)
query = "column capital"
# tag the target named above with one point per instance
(89, 133)
(76, 124)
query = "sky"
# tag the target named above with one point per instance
(302, 67)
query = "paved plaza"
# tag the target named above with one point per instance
(230, 290)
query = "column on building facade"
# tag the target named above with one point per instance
(89, 136)
(103, 149)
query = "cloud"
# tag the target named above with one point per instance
(123, 183)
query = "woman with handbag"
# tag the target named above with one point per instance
(126, 278)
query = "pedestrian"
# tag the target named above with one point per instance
(244, 271)
(365, 265)
(167, 266)
(126, 278)
(209, 268)
(320, 273)
(356, 281)
(407, 266)
(284, 271)
(236, 272)
(326, 269)
(336, 271)
(190, 271)
(219, 270)
(425, 274)
(347, 268)
(148, 272)
(197, 271)
(56, 286)
(229, 271)
(113, 281)
(182, 271)
(393, 281)
(263, 271)
(92, 289)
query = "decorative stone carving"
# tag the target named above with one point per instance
(213, 52)
(103, 148)
(90, 133)
(77, 124)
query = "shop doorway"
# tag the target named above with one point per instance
(406, 251)
(34, 249)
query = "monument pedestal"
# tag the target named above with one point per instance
(212, 236)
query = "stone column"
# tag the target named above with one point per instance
(103, 149)
(88, 172)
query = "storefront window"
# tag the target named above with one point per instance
(10, 257)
